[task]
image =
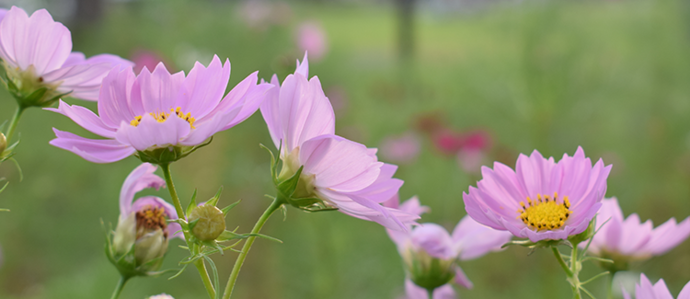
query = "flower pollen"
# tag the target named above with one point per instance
(150, 219)
(545, 213)
(163, 116)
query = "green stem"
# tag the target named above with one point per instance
(431, 293)
(13, 124)
(180, 213)
(275, 205)
(572, 271)
(609, 290)
(120, 285)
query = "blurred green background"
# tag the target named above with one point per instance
(611, 76)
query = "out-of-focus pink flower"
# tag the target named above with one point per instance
(311, 38)
(472, 153)
(541, 199)
(157, 110)
(401, 149)
(448, 142)
(413, 291)
(628, 239)
(36, 52)
(429, 243)
(148, 59)
(342, 173)
(645, 290)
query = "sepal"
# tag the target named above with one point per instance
(167, 155)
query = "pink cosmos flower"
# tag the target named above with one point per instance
(541, 199)
(156, 110)
(36, 52)
(645, 290)
(469, 240)
(312, 38)
(401, 149)
(342, 173)
(143, 222)
(629, 239)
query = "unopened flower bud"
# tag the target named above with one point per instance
(3, 143)
(429, 272)
(161, 296)
(211, 222)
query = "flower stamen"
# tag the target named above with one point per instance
(545, 213)
(149, 219)
(163, 116)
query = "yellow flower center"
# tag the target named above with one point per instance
(149, 219)
(163, 116)
(545, 213)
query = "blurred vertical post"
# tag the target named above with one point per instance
(406, 10)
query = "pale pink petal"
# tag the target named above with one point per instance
(472, 239)
(159, 89)
(153, 134)
(339, 164)
(434, 240)
(97, 151)
(668, 235)
(685, 292)
(203, 88)
(461, 279)
(115, 104)
(139, 179)
(85, 118)
(303, 68)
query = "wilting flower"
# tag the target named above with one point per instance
(312, 38)
(156, 113)
(36, 53)
(401, 149)
(645, 290)
(431, 255)
(624, 240)
(541, 199)
(142, 234)
(336, 172)
(162, 296)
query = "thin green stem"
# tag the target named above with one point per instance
(13, 124)
(431, 293)
(575, 270)
(180, 213)
(609, 289)
(275, 205)
(120, 285)
(561, 262)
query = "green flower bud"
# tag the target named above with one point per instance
(211, 222)
(428, 272)
(3, 143)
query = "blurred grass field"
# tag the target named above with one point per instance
(611, 76)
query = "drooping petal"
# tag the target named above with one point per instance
(85, 118)
(139, 179)
(667, 236)
(390, 218)
(385, 186)
(472, 239)
(461, 279)
(97, 151)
